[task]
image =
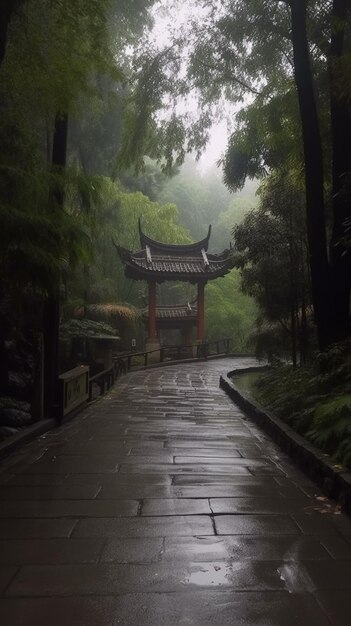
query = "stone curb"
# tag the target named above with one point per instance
(25, 436)
(335, 482)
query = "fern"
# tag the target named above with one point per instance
(331, 426)
(315, 400)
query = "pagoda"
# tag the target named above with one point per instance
(157, 262)
(181, 317)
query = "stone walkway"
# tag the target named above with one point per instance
(163, 504)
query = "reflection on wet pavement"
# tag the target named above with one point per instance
(205, 574)
(164, 504)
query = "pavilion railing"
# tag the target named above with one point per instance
(77, 386)
(102, 381)
(203, 350)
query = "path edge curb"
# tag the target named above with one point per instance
(10, 444)
(335, 483)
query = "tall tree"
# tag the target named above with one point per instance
(340, 122)
(256, 48)
(314, 175)
(271, 252)
(51, 316)
(7, 11)
(57, 54)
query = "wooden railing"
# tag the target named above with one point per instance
(106, 379)
(175, 353)
(78, 387)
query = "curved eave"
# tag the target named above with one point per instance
(174, 318)
(142, 273)
(181, 247)
(124, 254)
(172, 312)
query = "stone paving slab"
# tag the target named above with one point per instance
(164, 504)
(174, 525)
(175, 506)
(50, 551)
(243, 547)
(36, 528)
(7, 573)
(106, 578)
(70, 464)
(336, 604)
(268, 505)
(170, 468)
(69, 508)
(48, 492)
(133, 550)
(207, 608)
(255, 525)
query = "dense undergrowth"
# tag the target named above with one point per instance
(314, 399)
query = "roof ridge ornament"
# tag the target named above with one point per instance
(204, 256)
(148, 255)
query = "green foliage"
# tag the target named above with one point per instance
(62, 57)
(116, 221)
(229, 313)
(315, 399)
(200, 198)
(267, 135)
(55, 51)
(271, 253)
(39, 245)
(235, 51)
(331, 426)
(270, 340)
(85, 328)
(159, 221)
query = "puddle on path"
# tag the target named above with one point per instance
(295, 578)
(205, 574)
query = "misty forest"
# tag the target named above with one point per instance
(124, 119)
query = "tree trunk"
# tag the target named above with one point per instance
(293, 336)
(340, 122)
(7, 10)
(52, 305)
(314, 178)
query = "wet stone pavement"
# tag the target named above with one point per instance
(163, 504)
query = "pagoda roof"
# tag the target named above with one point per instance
(186, 311)
(170, 316)
(159, 247)
(162, 261)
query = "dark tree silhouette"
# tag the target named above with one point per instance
(7, 10)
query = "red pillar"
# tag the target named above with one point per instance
(201, 311)
(152, 310)
(187, 335)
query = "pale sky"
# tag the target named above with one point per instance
(168, 24)
(216, 146)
